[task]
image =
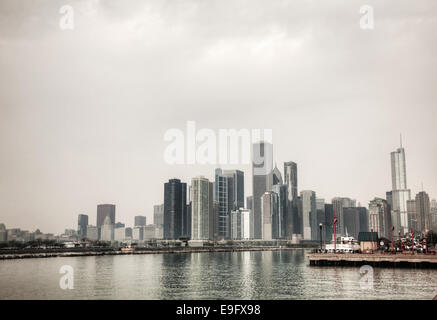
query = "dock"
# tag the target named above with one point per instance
(375, 260)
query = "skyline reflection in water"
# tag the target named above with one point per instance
(220, 275)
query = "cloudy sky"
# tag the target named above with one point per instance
(83, 112)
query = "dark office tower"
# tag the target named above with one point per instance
(320, 209)
(290, 177)
(249, 202)
(337, 205)
(389, 198)
(103, 211)
(364, 219)
(218, 171)
(262, 167)
(423, 211)
(277, 176)
(329, 231)
(215, 224)
(351, 222)
(238, 177)
(187, 223)
(413, 219)
(82, 222)
(140, 221)
(278, 221)
(225, 185)
(175, 208)
(158, 215)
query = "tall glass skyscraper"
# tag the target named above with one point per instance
(225, 196)
(400, 193)
(292, 225)
(175, 208)
(82, 223)
(262, 173)
(278, 221)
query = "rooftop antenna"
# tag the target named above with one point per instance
(401, 140)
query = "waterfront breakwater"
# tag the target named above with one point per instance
(399, 260)
(49, 253)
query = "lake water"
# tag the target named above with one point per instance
(221, 275)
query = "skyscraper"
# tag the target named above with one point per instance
(238, 178)
(269, 209)
(413, 219)
(380, 218)
(309, 215)
(158, 215)
(400, 193)
(290, 176)
(433, 211)
(82, 223)
(224, 195)
(140, 221)
(337, 207)
(278, 221)
(103, 211)
(320, 209)
(423, 211)
(175, 207)
(262, 166)
(202, 209)
(277, 176)
(107, 232)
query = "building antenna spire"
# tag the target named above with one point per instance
(401, 140)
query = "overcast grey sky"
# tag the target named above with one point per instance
(83, 112)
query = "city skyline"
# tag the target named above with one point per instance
(107, 211)
(83, 112)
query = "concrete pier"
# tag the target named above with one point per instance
(376, 260)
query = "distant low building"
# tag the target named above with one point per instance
(92, 233)
(3, 233)
(368, 240)
(138, 233)
(120, 234)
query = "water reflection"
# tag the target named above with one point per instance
(221, 275)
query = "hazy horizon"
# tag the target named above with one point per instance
(83, 112)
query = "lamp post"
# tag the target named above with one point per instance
(400, 241)
(391, 236)
(426, 244)
(320, 227)
(335, 236)
(371, 237)
(412, 239)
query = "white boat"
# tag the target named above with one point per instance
(346, 244)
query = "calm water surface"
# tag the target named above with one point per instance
(221, 275)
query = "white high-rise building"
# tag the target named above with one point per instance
(262, 181)
(202, 214)
(107, 230)
(400, 193)
(269, 208)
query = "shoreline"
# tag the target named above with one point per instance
(85, 253)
